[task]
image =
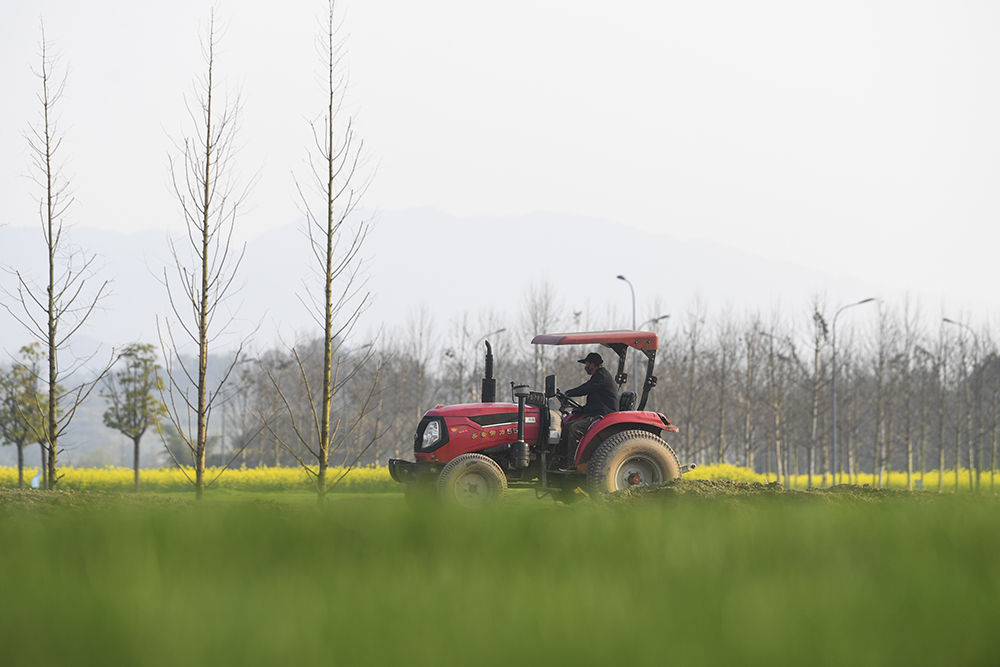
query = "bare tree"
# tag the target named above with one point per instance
(820, 336)
(910, 317)
(541, 314)
(54, 310)
(336, 239)
(885, 338)
(727, 348)
(456, 360)
(210, 202)
(751, 344)
(940, 375)
(776, 394)
(693, 330)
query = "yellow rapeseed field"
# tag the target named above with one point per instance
(378, 479)
(175, 479)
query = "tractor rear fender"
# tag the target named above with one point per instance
(616, 422)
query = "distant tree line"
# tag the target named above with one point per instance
(744, 389)
(755, 391)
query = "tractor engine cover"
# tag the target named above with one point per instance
(473, 427)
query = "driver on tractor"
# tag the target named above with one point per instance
(602, 399)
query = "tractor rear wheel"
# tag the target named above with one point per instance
(472, 480)
(631, 459)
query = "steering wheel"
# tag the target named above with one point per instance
(565, 401)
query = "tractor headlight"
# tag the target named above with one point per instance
(432, 433)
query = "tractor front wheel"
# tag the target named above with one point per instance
(472, 480)
(631, 459)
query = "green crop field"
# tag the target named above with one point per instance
(365, 579)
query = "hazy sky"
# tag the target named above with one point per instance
(858, 137)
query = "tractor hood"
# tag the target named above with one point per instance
(474, 410)
(471, 427)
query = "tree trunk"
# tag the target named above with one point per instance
(814, 424)
(958, 452)
(689, 431)
(52, 427)
(135, 460)
(940, 484)
(748, 405)
(941, 412)
(996, 438)
(907, 428)
(44, 469)
(20, 465)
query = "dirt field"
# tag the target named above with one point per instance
(735, 490)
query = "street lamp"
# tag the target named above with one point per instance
(492, 333)
(833, 385)
(653, 320)
(635, 371)
(948, 320)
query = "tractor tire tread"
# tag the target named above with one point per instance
(598, 469)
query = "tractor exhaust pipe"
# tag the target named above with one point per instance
(489, 394)
(519, 456)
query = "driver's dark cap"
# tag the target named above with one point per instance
(593, 358)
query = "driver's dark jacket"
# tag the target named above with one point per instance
(601, 393)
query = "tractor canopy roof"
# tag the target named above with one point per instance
(640, 340)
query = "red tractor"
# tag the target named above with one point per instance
(472, 452)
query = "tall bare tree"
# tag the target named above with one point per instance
(723, 363)
(820, 336)
(55, 309)
(541, 314)
(776, 393)
(336, 237)
(909, 340)
(751, 343)
(693, 331)
(210, 201)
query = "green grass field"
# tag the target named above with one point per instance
(366, 580)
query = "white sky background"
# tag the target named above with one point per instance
(860, 137)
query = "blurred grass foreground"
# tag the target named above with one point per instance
(155, 579)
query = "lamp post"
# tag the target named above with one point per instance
(654, 320)
(833, 386)
(975, 338)
(635, 372)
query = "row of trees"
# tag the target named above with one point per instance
(199, 284)
(132, 392)
(744, 389)
(747, 390)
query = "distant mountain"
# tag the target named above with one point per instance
(445, 264)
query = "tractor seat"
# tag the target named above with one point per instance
(627, 401)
